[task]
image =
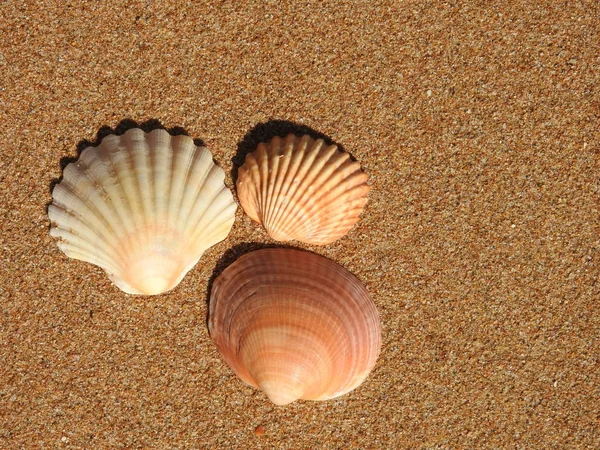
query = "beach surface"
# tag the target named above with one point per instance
(479, 127)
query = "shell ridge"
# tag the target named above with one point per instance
(252, 189)
(245, 188)
(150, 154)
(256, 186)
(60, 203)
(272, 199)
(344, 214)
(132, 230)
(330, 189)
(88, 255)
(285, 203)
(85, 252)
(92, 171)
(68, 240)
(65, 228)
(241, 284)
(200, 168)
(88, 204)
(326, 175)
(213, 235)
(279, 167)
(267, 178)
(128, 223)
(203, 194)
(305, 160)
(142, 176)
(342, 181)
(347, 308)
(222, 223)
(187, 157)
(107, 154)
(161, 161)
(206, 200)
(262, 160)
(299, 380)
(179, 165)
(299, 221)
(222, 336)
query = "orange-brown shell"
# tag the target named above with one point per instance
(301, 189)
(294, 324)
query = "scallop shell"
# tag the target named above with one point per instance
(144, 207)
(294, 324)
(301, 189)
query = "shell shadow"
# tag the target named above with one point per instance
(231, 255)
(121, 128)
(265, 131)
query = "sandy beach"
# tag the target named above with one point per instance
(479, 127)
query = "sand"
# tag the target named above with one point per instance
(479, 127)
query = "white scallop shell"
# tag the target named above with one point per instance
(301, 189)
(144, 207)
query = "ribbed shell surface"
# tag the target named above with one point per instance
(301, 189)
(294, 324)
(143, 206)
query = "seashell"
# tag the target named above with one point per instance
(294, 324)
(301, 189)
(144, 207)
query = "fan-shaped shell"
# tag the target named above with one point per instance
(143, 206)
(294, 324)
(301, 189)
